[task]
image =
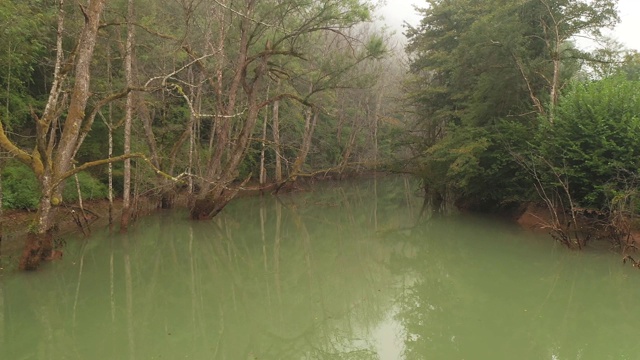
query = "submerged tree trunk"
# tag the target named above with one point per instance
(218, 189)
(222, 191)
(39, 242)
(207, 207)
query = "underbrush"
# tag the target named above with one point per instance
(20, 188)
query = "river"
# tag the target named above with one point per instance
(349, 271)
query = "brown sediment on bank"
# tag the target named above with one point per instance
(16, 223)
(533, 216)
(537, 217)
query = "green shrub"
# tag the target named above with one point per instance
(90, 187)
(594, 142)
(20, 189)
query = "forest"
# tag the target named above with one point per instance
(492, 104)
(510, 110)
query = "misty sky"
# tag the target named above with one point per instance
(627, 32)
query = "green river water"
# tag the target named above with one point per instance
(348, 271)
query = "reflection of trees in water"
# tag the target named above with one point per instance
(128, 286)
(34, 326)
(300, 277)
(430, 297)
(321, 289)
(476, 292)
(2, 309)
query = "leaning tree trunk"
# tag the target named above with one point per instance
(311, 119)
(217, 191)
(309, 127)
(222, 192)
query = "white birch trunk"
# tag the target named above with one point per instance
(128, 70)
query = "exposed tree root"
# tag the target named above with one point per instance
(39, 247)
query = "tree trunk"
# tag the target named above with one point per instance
(109, 123)
(110, 170)
(263, 171)
(276, 140)
(555, 83)
(216, 170)
(355, 128)
(309, 127)
(207, 207)
(128, 70)
(376, 118)
(84, 222)
(221, 193)
(51, 162)
(39, 242)
(217, 189)
(80, 93)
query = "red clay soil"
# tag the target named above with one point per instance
(534, 217)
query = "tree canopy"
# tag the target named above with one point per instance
(478, 66)
(199, 96)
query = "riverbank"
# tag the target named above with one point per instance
(621, 232)
(70, 222)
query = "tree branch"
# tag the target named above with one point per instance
(95, 163)
(23, 156)
(145, 28)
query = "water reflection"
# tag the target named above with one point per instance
(296, 277)
(502, 295)
(2, 309)
(341, 273)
